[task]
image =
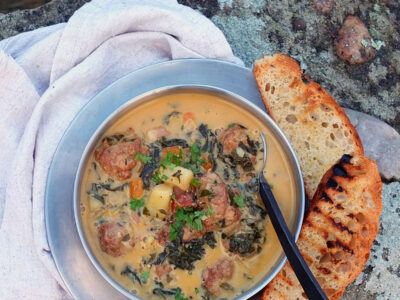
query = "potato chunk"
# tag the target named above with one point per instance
(179, 177)
(94, 204)
(158, 201)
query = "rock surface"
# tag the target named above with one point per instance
(258, 27)
(354, 43)
(381, 143)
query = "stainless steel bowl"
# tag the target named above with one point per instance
(224, 94)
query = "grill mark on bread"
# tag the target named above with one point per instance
(340, 226)
(331, 183)
(339, 244)
(338, 206)
(346, 158)
(338, 170)
(316, 209)
(326, 198)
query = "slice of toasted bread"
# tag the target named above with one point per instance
(316, 126)
(338, 230)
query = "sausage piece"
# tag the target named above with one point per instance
(118, 160)
(163, 269)
(110, 236)
(217, 194)
(231, 137)
(218, 201)
(216, 274)
(183, 198)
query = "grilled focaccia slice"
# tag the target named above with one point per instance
(338, 231)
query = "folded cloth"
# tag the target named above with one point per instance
(46, 76)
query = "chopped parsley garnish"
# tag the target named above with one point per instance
(195, 159)
(194, 168)
(145, 159)
(156, 177)
(195, 182)
(195, 153)
(179, 295)
(164, 177)
(136, 203)
(187, 215)
(145, 276)
(271, 186)
(171, 160)
(230, 125)
(196, 290)
(239, 200)
(174, 230)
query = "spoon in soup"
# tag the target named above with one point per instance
(307, 280)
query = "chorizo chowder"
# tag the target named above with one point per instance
(169, 203)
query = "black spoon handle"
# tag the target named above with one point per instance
(307, 280)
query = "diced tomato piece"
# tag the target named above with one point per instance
(188, 116)
(208, 164)
(136, 188)
(173, 149)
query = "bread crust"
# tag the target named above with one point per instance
(307, 98)
(338, 231)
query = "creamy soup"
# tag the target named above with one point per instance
(170, 203)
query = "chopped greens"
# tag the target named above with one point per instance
(145, 159)
(132, 274)
(195, 182)
(135, 204)
(156, 177)
(184, 254)
(179, 295)
(145, 276)
(239, 200)
(195, 153)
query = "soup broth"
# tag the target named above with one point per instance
(170, 203)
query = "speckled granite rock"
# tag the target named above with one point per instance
(25, 20)
(257, 27)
